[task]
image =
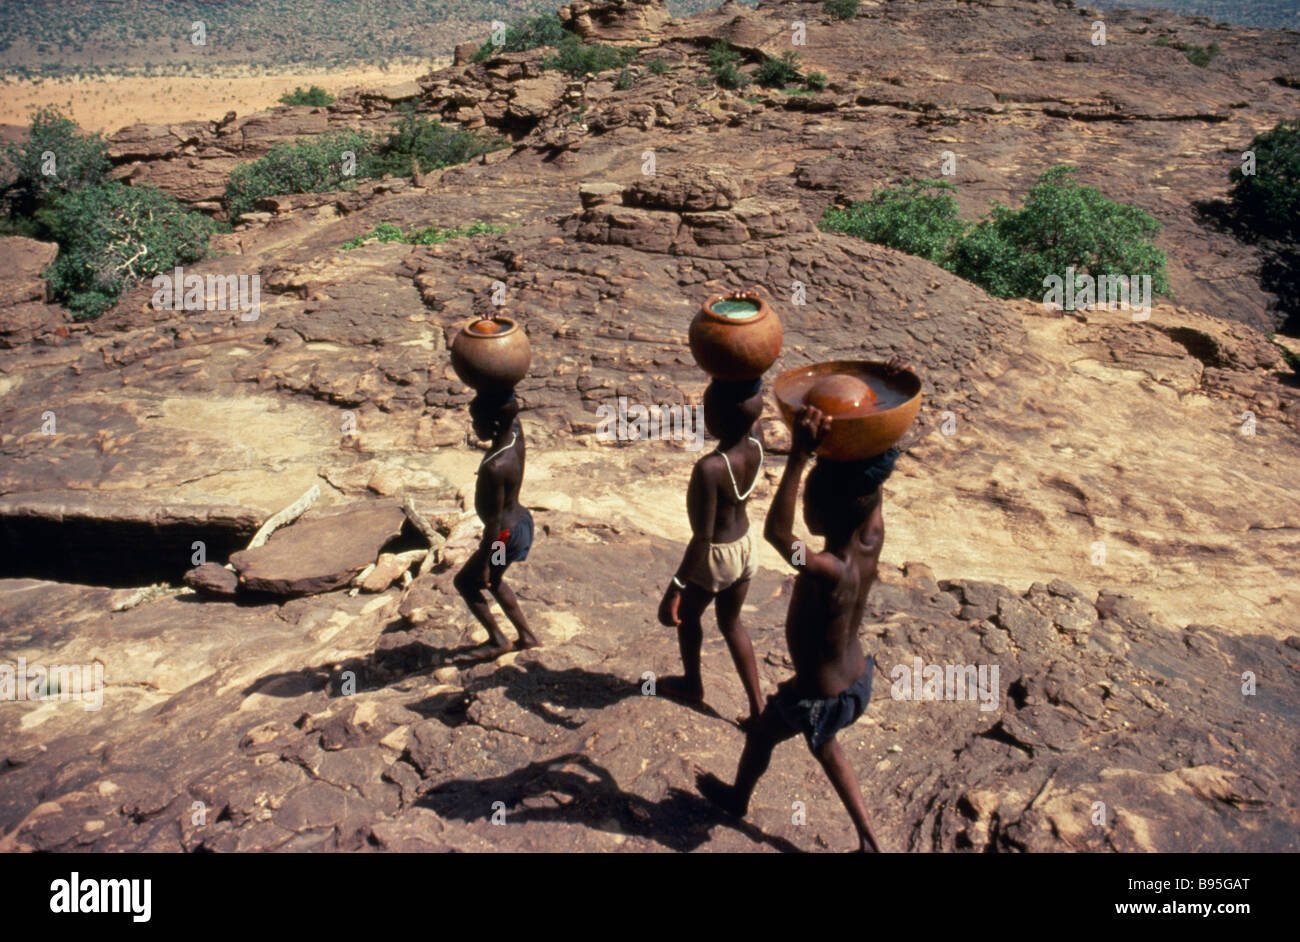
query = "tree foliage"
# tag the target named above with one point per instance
(1062, 224)
(1269, 199)
(112, 235)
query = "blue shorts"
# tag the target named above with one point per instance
(820, 719)
(519, 539)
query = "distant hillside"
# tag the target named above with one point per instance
(1284, 14)
(68, 37)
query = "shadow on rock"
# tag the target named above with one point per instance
(573, 789)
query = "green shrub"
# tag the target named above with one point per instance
(308, 166)
(1062, 224)
(1200, 55)
(1269, 199)
(428, 144)
(724, 64)
(778, 73)
(624, 81)
(112, 235)
(315, 95)
(578, 58)
(429, 235)
(815, 81)
(658, 66)
(919, 218)
(75, 159)
(529, 33)
(841, 9)
(721, 54)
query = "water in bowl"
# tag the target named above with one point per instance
(887, 396)
(734, 308)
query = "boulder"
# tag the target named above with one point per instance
(23, 260)
(320, 553)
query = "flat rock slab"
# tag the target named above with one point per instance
(319, 553)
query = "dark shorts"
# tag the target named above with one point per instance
(519, 539)
(820, 719)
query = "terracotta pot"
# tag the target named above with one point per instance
(735, 348)
(860, 429)
(490, 354)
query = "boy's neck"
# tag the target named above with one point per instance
(725, 444)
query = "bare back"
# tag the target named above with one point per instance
(725, 493)
(826, 609)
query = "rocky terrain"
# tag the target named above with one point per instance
(1103, 508)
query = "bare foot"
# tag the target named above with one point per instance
(746, 723)
(527, 640)
(720, 793)
(676, 688)
(490, 650)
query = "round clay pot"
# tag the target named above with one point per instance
(861, 427)
(736, 348)
(490, 354)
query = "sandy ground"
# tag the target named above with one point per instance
(107, 104)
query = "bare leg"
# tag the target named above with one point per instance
(727, 608)
(509, 603)
(769, 731)
(469, 583)
(690, 638)
(838, 770)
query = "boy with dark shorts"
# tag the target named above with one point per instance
(831, 686)
(721, 557)
(507, 525)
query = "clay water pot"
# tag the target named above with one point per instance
(491, 354)
(863, 424)
(736, 344)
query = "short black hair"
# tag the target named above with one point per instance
(845, 492)
(498, 407)
(733, 406)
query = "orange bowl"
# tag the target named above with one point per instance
(862, 431)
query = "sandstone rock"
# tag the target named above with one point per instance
(23, 261)
(213, 580)
(614, 20)
(319, 553)
(695, 188)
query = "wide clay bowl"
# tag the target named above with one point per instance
(862, 425)
(491, 354)
(735, 336)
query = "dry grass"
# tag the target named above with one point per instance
(109, 103)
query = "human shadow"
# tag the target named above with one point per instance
(529, 684)
(681, 820)
(532, 686)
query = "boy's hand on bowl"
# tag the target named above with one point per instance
(898, 365)
(811, 426)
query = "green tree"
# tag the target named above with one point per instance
(1268, 200)
(310, 166)
(428, 144)
(56, 157)
(841, 9)
(315, 96)
(919, 217)
(1062, 224)
(778, 73)
(112, 235)
(529, 33)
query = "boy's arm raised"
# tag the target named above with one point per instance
(810, 427)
